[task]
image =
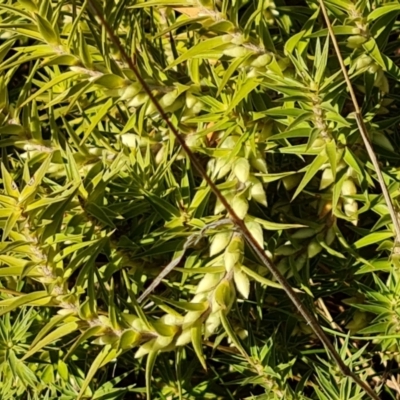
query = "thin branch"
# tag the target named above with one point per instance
(258, 250)
(361, 126)
(192, 240)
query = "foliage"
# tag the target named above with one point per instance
(97, 198)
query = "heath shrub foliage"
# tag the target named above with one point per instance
(97, 198)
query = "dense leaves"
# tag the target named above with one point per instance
(97, 199)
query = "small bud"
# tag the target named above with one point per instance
(256, 231)
(224, 296)
(258, 162)
(381, 82)
(169, 319)
(190, 100)
(313, 248)
(192, 140)
(238, 39)
(190, 318)
(242, 333)
(208, 283)
(236, 52)
(350, 208)
(105, 339)
(212, 324)
(229, 142)
(139, 325)
(326, 179)
(138, 100)
(220, 242)
(227, 38)
(129, 140)
(242, 283)
(363, 61)
(304, 233)
(349, 188)
(330, 236)
(184, 338)
(241, 168)
(145, 348)
(168, 99)
(162, 342)
(234, 253)
(356, 41)
(262, 61)
(160, 155)
(318, 143)
(129, 339)
(130, 91)
(291, 181)
(257, 191)
(240, 206)
(374, 68)
(221, 167)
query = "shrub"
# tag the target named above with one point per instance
(99, 201)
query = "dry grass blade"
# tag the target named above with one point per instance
(307, 315)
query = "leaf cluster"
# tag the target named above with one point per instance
(97, 198)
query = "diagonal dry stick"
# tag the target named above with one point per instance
(362, 128)
(258, 250)
(192, 240)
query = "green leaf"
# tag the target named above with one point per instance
(233, 67)
(262, 280)
(35, 181)
(93, 369)
(163, 3)
(39, 297)
(242, 92)
(12, 220)
(55, 81)
(97, 118)
(151, 359)
(231, 333)
(20, 370)
(48, 327)
(47, 31)
(100, 213)
(52, 337)
(372, 238)
(196, 335)
(274, 226)
(200, 48)
(312, 169)
(381, 11)
(184, 305)
(166, 210)
(92, 331)
(337, 29)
